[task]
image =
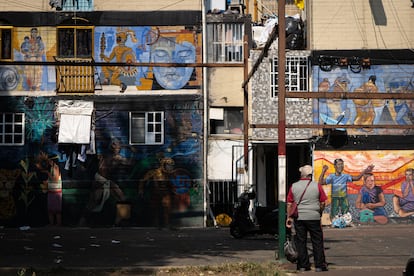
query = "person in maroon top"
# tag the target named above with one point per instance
(310, 210)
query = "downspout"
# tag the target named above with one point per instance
(205, 117)
(246, 104)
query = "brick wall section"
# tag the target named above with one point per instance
(264, 109)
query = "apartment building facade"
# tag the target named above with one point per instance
(145, 145)
(350, 47)
(90, 129)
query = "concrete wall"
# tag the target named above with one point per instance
(351, 25)
(105, 5)
(148, 5)
(225, 87)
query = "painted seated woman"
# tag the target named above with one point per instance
(403, 201)
(371, 199)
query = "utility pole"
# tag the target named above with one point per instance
(281, 59)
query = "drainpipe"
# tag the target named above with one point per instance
(281, 127)
(205, 116)
(246, 104)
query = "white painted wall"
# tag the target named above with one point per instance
(219, 158)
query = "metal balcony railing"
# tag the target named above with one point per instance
(72, 79)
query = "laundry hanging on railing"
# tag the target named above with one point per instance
(74, 121)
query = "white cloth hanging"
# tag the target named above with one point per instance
(75, 121)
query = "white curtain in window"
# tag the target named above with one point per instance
(216, 113)
(75, 121)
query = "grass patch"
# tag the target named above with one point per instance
(245, 269)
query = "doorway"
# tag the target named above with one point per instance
(266, 171)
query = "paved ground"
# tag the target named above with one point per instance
(359, 250)
(380, 250)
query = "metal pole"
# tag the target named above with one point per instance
(246, 105)
(205, 120)
(281, 56)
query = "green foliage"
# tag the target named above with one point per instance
(39, 118)
(26, 194)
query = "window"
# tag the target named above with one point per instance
(225, 42)
(75, 42)
(296, 74)
(228, 120)
(146, 128)
(11, 128)
(5, 41)
(77, 5)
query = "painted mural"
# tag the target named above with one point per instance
(129, 45)
(33, 49)
(378, 176)
(107, 182)
(37, 44)
(147, 44)
(377, 79)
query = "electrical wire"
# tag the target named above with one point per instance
(383, 39)
(375, 32)
(399, 24)
(359, 25)
(172, 4)
(25, 6)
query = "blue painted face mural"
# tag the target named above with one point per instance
(145, 44)
(166, 50)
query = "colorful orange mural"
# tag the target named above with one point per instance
(389, 170)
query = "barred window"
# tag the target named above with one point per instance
(146, 128)
(296, 74)
(11, 129)
(225, 42)
(77, 5)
